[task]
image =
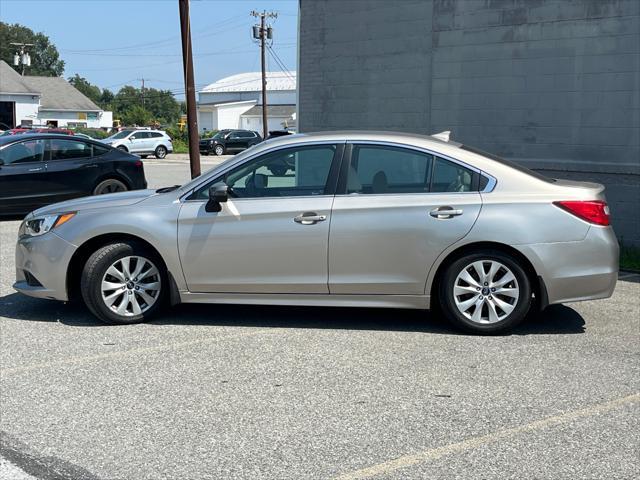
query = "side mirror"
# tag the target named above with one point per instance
(131, 138)
(218, 194)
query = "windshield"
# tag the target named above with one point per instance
(119, 135)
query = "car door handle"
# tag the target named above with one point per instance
(445, 212)
(39, 169)
(309, 218)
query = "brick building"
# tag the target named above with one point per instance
(554, 84)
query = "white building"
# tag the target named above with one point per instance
(236, 102)
(42, 101)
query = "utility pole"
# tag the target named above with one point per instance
(262, 33)
(142, 91)
(187, 61)
(23, 58)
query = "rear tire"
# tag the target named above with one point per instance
(110, 185)
(161, 152)
(124, 283)
(485, 293)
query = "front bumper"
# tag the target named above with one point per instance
(577, 271)
(41, 266)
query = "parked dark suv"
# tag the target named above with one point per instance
(229, 141)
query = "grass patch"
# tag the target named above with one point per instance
(630, 258)
(180, 146)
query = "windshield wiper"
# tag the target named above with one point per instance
(168, 189)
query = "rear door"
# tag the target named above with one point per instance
(23, 183)
(73, 167)
(235, 142)
(386, 232)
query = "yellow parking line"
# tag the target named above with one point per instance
(125, 353)
(474, 442)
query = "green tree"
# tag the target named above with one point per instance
(160, 105)
(136, 115)
(85, 87)
(45, 59)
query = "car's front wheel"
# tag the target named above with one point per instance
(124, 283)
(123, 148)
(219, 150)
(485, 292)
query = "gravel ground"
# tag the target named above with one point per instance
(265, 392)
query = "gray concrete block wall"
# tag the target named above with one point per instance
(554, 84)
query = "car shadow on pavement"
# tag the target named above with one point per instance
(557, 319)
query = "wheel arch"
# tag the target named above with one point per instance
(115, 175)
(537, 282)
(84, 251)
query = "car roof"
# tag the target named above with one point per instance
(36, 136)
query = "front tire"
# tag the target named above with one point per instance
(122, 148)
(218, 150)
(161, 152)
(485, 292)
(124, 283)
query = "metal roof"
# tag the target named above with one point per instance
(273, 110)
(252, 82)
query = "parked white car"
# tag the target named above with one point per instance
(142, 142)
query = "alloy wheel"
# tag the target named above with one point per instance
(110, 186)
(486, 292)
(130, 286)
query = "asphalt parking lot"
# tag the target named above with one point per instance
(278, 393)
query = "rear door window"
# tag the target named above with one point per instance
(60, 149)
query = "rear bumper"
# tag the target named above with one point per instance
(577, 271)
(41, 266)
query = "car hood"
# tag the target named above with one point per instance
(120, 199)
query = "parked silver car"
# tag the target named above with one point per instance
(348, 219)
(142, 142)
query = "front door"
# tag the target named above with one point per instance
(235, 142)
(272, 235)
(139, 142)
(385, 230)
(23, 183)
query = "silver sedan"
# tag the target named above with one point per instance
(355, 219)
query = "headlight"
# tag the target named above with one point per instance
(34, 227)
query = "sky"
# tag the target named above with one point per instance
(118, 42)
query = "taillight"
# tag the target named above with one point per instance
(592, 211)
(138, 163)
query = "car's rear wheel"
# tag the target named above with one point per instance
(123, 148)
(110, 185)
(218, 150)
(485, 292)
(161, 152)
(124, 283)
